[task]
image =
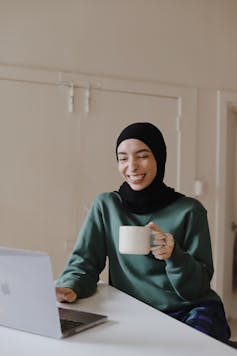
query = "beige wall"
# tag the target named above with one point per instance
(190, 42)
(181, 42)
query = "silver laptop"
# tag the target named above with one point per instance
(28, 299)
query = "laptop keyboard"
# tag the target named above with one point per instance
(69, 324)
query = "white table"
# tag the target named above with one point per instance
(133, 329)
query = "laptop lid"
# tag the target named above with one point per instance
(27, 296)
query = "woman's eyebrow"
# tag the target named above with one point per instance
(136, 152)
(143, 150)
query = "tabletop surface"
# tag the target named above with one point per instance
(133, 328)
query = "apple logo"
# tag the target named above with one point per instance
(5, 288)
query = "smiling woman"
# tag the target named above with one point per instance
(141, 155)
(175, 275)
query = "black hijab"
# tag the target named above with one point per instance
(157, 195)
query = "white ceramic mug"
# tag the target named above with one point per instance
(134, 240)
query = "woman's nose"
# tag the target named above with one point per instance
(132, 164)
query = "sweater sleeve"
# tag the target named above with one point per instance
(190, 268)
(88, 256)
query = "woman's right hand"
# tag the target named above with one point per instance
(65, 295)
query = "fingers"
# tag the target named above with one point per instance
(165, 251)
(65, 294)
(162, 253)
(163, 243)
(159, 239)
(153, 227)
(61, 294)
(159, 236)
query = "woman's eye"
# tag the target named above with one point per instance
(122, 159)
(143, 156)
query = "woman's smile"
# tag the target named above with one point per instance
(136, 179)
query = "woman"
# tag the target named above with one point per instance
(174, 278)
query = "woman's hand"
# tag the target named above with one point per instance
(164, 242)
(65, 295)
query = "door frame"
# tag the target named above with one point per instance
(225, 100)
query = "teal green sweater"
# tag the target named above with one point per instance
(183, 279)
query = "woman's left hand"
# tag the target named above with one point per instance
(164, 242)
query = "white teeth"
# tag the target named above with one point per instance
(133, 178)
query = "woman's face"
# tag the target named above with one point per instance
(136, 163)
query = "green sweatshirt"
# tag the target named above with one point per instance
(183, 279)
